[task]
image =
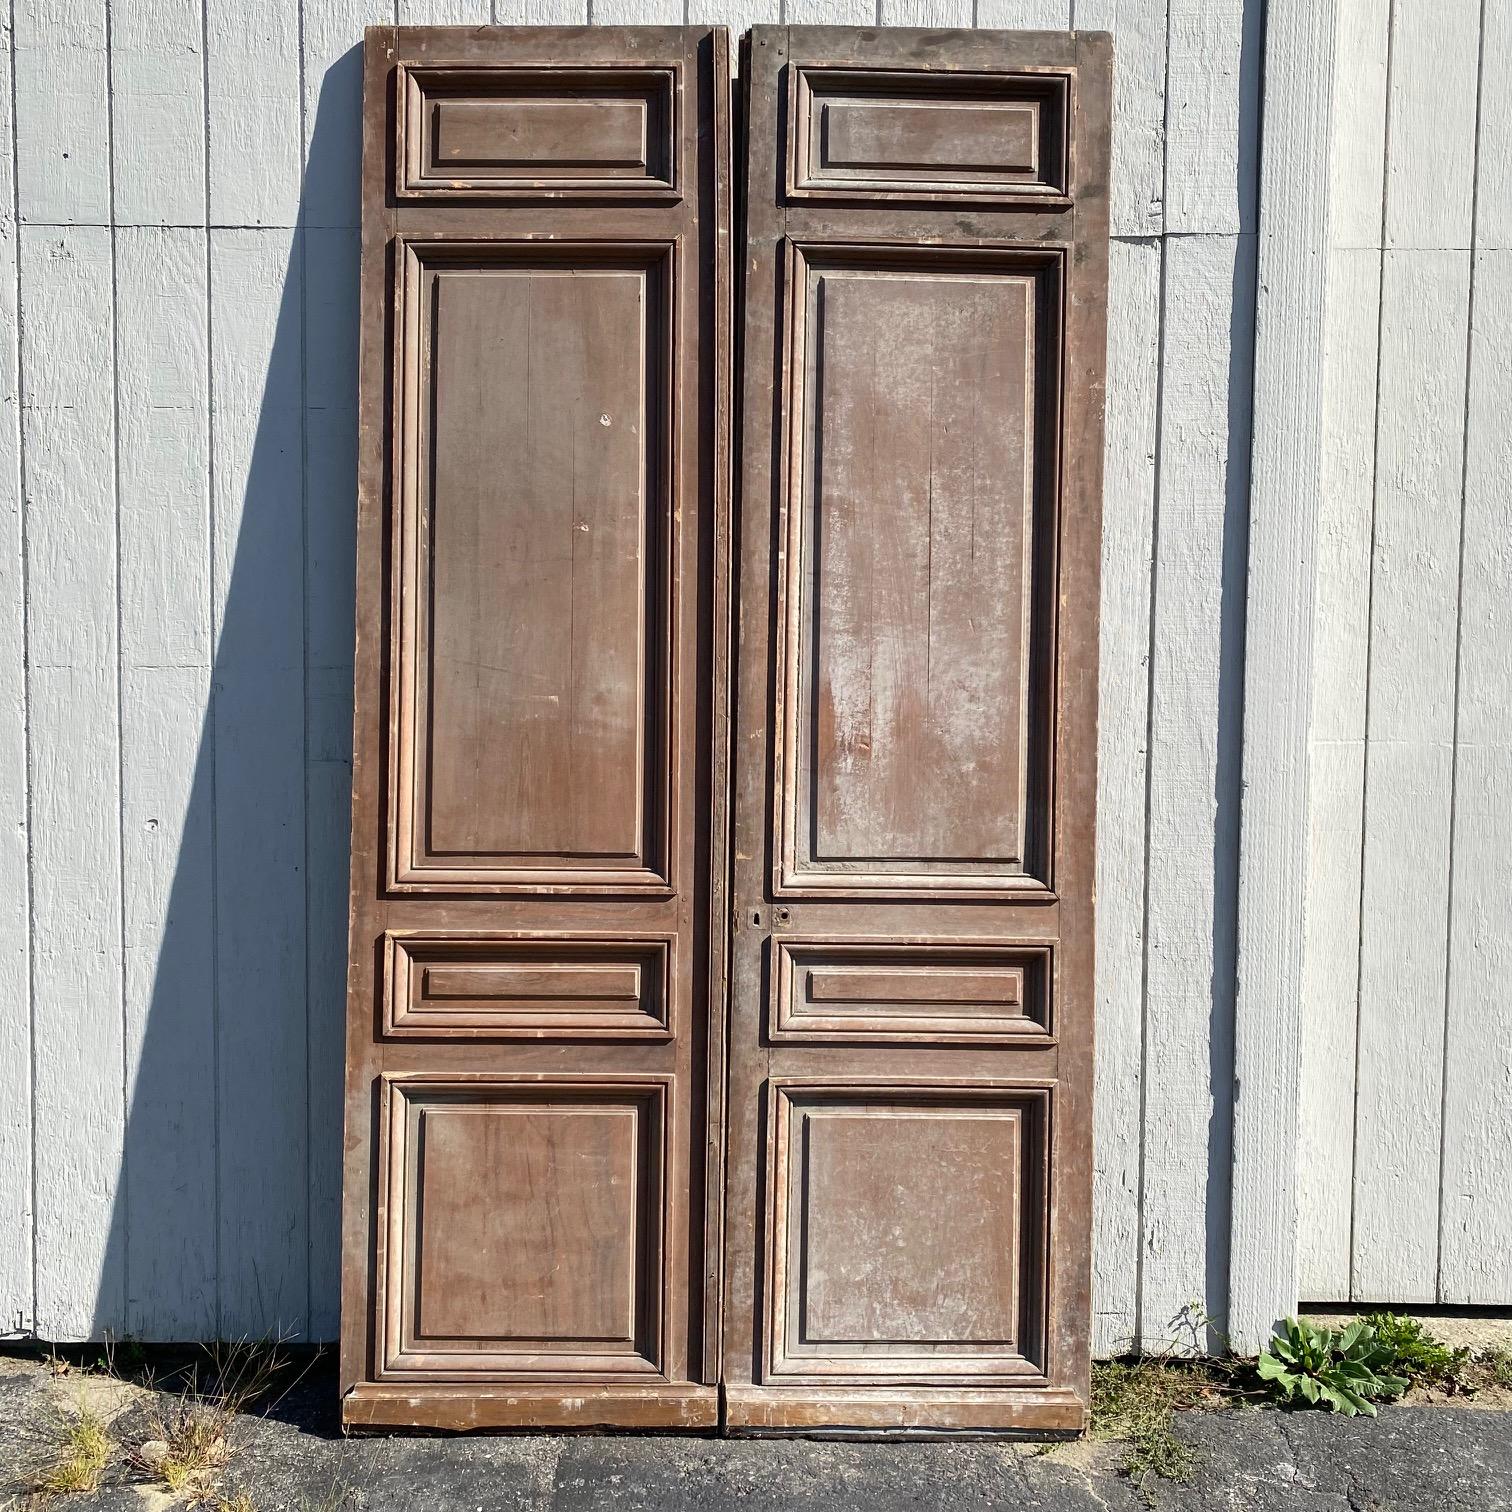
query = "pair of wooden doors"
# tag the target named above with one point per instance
(719, 1040)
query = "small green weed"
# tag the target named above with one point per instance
(1345, 1372)
(78, 1448)
(1417, 1354)
(1135, 1401)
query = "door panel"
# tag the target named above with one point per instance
(535, 985)
(909, 1179)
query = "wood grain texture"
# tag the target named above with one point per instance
(1134, 278)
(1493, 157)
(16, 1295)
(1409, 759)
(68, 430)
(1475, 1229)
(1288, 441)
(1212, 115)
(1358, 169)
(1193, 779)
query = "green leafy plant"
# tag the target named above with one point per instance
(1416, 1353)
(1345, 1372)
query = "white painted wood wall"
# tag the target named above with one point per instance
(177, 358)
(1406, 1097)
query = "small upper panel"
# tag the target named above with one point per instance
(523, 133)
(917, 135)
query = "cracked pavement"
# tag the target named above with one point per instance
(1410, 1459)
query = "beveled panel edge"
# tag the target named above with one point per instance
(1035, 1093)
(392, 1362)
(413, 183)
(405, 872)
(1053, 85)
(402, 947)
(1032, 1028)
(799, 256)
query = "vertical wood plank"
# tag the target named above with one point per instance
(1137, 205)
(62, 93)
(1405, 890)
(1341, 624)
(1195, 690)
(17, 1304)
(166, 791)
(1493, 162)
(1476, 1219)
(259, 714)
(157, 101)
(1123, 732)
(1286, 466)
(637, 12)
(547, 13)
(1359, 148)
(252, 72)
(330, 344)
(828, 12)
(1025, 15)
(738, 15)
(71, 630)
(925, 12)
(332, 39)
(1430, 173)
(444, 12)
(1212, 115)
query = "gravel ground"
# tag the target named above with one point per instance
(1410, 1459)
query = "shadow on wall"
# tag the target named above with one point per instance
(226, 1221)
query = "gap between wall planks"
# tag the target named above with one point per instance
(158, 1254)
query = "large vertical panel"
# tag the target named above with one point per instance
(541, 503)
(1330, 980)
(16, 1300)
(166, 817)
(916, 721)
(259, 714)
(62, 92)
(1212, 115)
(1408, 764)
(1475, 1258)
(1196, 676)
(1123, 734)
(157, 102)
(69, 429)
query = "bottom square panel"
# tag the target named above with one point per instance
(524, 1228)
(908, 1231)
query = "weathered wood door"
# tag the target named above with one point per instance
(531, 1226)
(910, 1039)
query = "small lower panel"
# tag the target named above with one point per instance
(785, 1409)
(908, 1235)
(524, 1228)
(461, 1408)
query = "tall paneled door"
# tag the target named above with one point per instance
(720, 988)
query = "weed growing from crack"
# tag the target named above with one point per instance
(75, 1449)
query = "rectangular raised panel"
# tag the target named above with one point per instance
(536, 516)
(499, 988)
(908, 1231)
(919, 524)
(518, 132)
(491, 1184)
(929, 137)
(943, 992)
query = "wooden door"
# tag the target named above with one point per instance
(911, 1026)
(531, 1226)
